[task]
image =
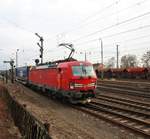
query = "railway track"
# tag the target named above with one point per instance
(135, 117)
(133, 120)
(124, 101)
(127, 86)
(127, 107)
(114, 89)
(129, 113)
(136, 82)
(143, 86)
(126, 118)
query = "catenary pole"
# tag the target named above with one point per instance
(117, 56)
(101, 43)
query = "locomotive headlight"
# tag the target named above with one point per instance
(71, 85)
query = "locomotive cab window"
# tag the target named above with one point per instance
(83, 70)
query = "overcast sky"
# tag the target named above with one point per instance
(81, 22)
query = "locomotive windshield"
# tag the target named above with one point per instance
(83, 70)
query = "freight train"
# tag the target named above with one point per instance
(125, 73)
(71, 80)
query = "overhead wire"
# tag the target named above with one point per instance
(131, 6)
(127, 31)
(103, 18)
(87, 18)
(143, 42)
(119, 33)
(101, 10)
(16, 25)
(132, 39)
(93, 15)
(111, 26)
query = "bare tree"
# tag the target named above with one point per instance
(128, 61)
(111, 63)
(146, 59)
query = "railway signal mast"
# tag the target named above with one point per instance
(41, 46)
(11, 62)
(17, 58)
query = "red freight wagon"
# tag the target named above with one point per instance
(74, 80)
(138, 72)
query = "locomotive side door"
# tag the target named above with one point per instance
(59, 78)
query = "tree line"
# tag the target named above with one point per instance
(130, 60)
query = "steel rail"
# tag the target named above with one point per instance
(117, 101)
(110, 116)
(121, 109)
(124, 91)
(125, 83)
(124, 100)
(127, 86)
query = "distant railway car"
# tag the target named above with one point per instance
(119, 73)
(138, 73)
(127, 73)
(73, 80)
(107, 73)
(22, 74)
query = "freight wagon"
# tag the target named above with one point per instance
(22, 74)
(127, 73)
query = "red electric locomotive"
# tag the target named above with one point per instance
(70, 79)
(73, 80)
